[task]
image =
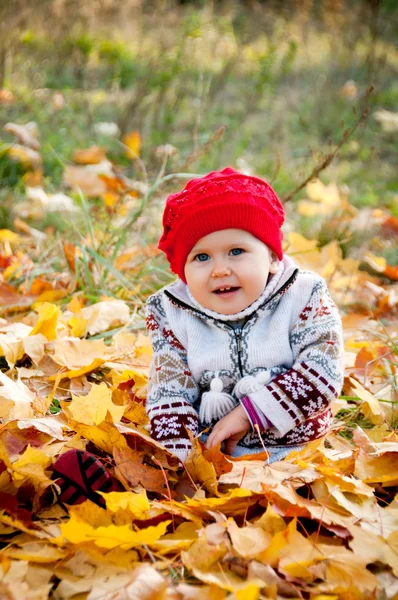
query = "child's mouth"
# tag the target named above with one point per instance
(226, 292)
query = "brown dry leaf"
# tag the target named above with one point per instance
(74, 353)
(346, 574)
(206, 563)
(49, 425)
(10, 298)
(250, 541)
(377, 412)
(105, 315)
(133, 467)
(200, 468)
(15, 399)
(79, 178)
(372, 548)
(27, 135)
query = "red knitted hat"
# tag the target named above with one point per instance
(223, 199)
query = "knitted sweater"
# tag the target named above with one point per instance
(292, 334)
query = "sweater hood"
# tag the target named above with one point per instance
(276, 286)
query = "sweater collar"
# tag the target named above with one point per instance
(267, 293)
(180, 291)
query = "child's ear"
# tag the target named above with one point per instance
(274, 263)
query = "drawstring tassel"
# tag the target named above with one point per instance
(215, 404)
(250, 383)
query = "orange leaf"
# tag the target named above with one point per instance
(10, 298)
(133, 142)
(89, 156)
(70, 252)
(133, 469)
(215, 456)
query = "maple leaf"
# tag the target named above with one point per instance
(77, 531)
(93, 408)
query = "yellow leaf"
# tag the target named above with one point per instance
(250, 592)
(136, 413)
(78, 326)
(37, 552)
(133, 142)
(72, 374)
(378, 263)
(31, 466)
(233, 503)
(9, 236)
(50, 296)
(47, 322)
(27, 156)
(136, 504)
(182, 538)
(92, 409)
(76, 304)
(104, 436)
(77, 531)
(110, 199)
(206, 563)
(140, 380)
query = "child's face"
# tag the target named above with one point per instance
(229, 258)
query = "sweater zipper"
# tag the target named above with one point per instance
(238, 337)
(185, 305)
(237, 332)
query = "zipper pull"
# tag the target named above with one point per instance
(239, 340)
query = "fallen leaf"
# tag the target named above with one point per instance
(133, 142)
(93, 408)
(89, 156)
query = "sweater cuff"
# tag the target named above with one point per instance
(180, 447)
(255, 417)
(280, 418)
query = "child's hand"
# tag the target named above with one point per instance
(232, 428)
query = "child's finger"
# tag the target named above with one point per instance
(230, 445)
(214, 438)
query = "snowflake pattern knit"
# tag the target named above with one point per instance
(293, 332)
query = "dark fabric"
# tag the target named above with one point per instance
(80, 475)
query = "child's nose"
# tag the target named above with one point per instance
(221, 271)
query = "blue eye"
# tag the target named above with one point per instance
(202, 257)
(236, 251)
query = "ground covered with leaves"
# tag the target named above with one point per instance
(321, 524)
(105, 112)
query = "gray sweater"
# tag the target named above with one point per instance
(291, 334)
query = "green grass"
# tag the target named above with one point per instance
(273, 78)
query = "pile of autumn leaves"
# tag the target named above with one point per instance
(322, 525)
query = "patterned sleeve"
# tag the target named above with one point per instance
(171, 390)
(308, 387)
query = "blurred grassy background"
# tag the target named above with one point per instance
(282, 77)
(267, 87)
